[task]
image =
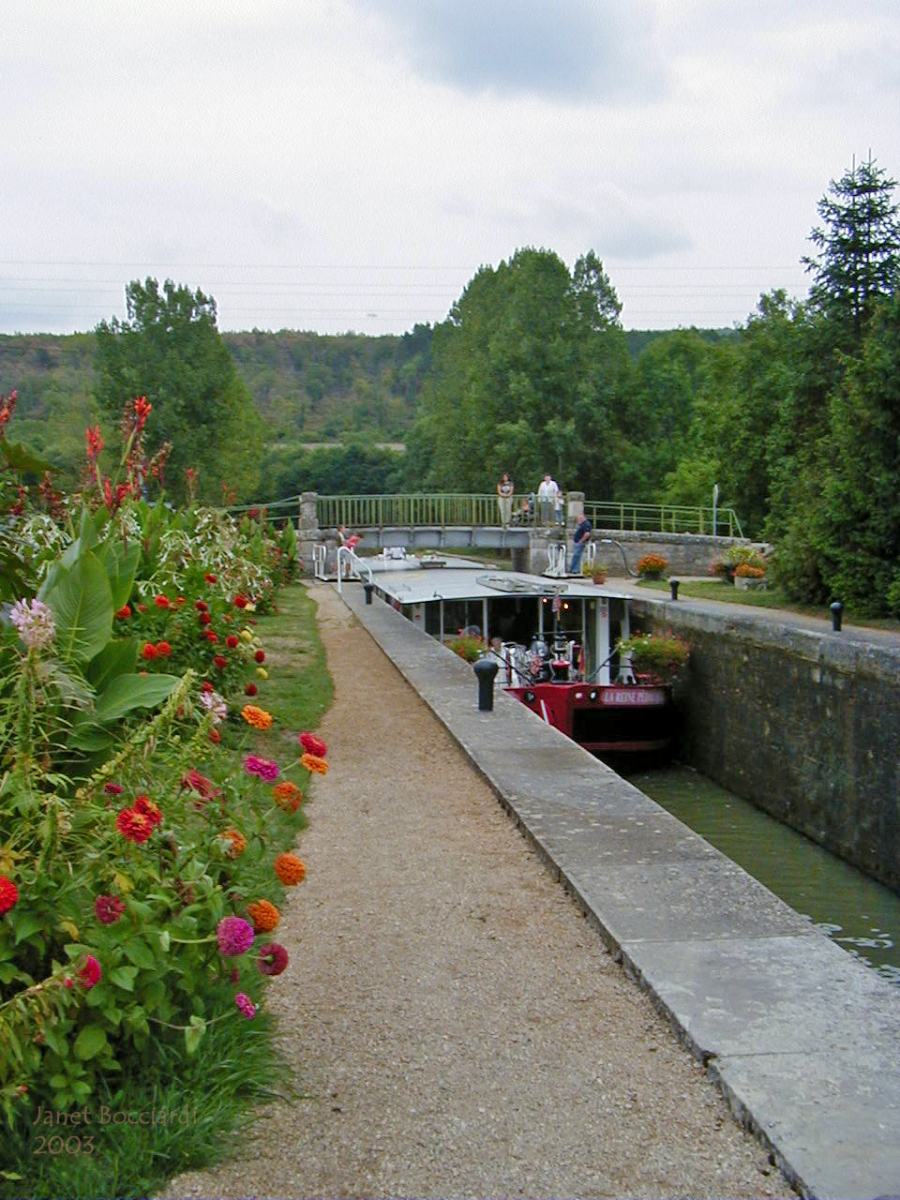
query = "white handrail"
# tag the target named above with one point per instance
(354, 562)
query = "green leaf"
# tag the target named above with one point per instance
(121, 565)
(164, 940)
(123, 977)
(140, 953)
(118, 657)
(81, 600)
(90, 1042)
(88, 737)
(27, 924)
(132, 691)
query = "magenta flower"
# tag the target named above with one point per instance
(108, 909)
(234, 935)
(91, 973)
(246, 1005)
(264, 768)
(273, 958)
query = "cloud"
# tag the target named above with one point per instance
(572, 49)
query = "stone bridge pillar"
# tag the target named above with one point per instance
(308, 533)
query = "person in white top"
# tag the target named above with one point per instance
(548, 490)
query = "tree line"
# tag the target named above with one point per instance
(795, 414)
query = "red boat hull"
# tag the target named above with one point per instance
(605, 718)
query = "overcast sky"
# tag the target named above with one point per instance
(349, 164)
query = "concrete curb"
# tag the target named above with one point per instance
(800, 1037)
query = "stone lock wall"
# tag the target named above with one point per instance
(803, 724)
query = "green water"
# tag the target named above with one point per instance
(861, 915)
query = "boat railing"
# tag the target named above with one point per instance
(354, 564)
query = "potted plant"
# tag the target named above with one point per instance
(655, 657)
(595, 571)
(652, 566)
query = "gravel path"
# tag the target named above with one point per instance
(457, 1027)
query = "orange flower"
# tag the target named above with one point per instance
(238, 842)
(290, 869)
(312, 762)
(287, 796)
(257, 717)
(265, 916)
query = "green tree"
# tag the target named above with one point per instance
(169, 349)
(859, 248)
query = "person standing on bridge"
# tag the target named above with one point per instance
(505, 491)
(581, 538)
(548, 490)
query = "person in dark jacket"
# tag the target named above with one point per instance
(581, 536)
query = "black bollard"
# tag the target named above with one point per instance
(485, 669)
(836, 609)
(673, 585)
(368, 588)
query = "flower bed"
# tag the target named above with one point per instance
(656, 656)
(138, 836)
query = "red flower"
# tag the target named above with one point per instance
(201, 605)
(251, 689)
(210, 579)
(205, 618)
(9, 894)
(145, 806)
(108, 909)
(312, 744)
(231, 641)
(181, 600)
(124, 613)
(273, 958)
(142, 411)
(198, 783)
(211, 636)
(149, 651)
(260, 656)
(220, 662)
(113, 789)
(215, 737)
(142, 608)
(94, 443)
(206, 686)
(240, 601)
(163, 649)
(134, 826)
(162, 602)
(91, 973)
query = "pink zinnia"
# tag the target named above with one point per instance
(246, 1005)
(113, 789)
(264, 768)
(273, 958)
(234, 935)
(91, 973)
(312, 744)
(108, 909)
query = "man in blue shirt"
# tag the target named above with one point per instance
(581, 537)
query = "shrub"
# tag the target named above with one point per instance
(652, 566)
(467, 646)
(658, 654)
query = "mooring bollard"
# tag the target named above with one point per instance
(673, 584)
(485, 669)
(368, 588)
(836, 609)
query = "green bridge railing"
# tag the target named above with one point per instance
(368, 512)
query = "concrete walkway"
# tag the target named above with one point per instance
(801, 1038)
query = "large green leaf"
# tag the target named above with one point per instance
(88, 737)
(81, 599)
(90, 1042)
(86, 540)
(118, 657)
(132, 691)
(121, 565)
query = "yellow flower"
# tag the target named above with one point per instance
(262, 672)
(246, 635)
(249, 606)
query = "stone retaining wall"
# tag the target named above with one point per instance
(801, 723)
(686, 553)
